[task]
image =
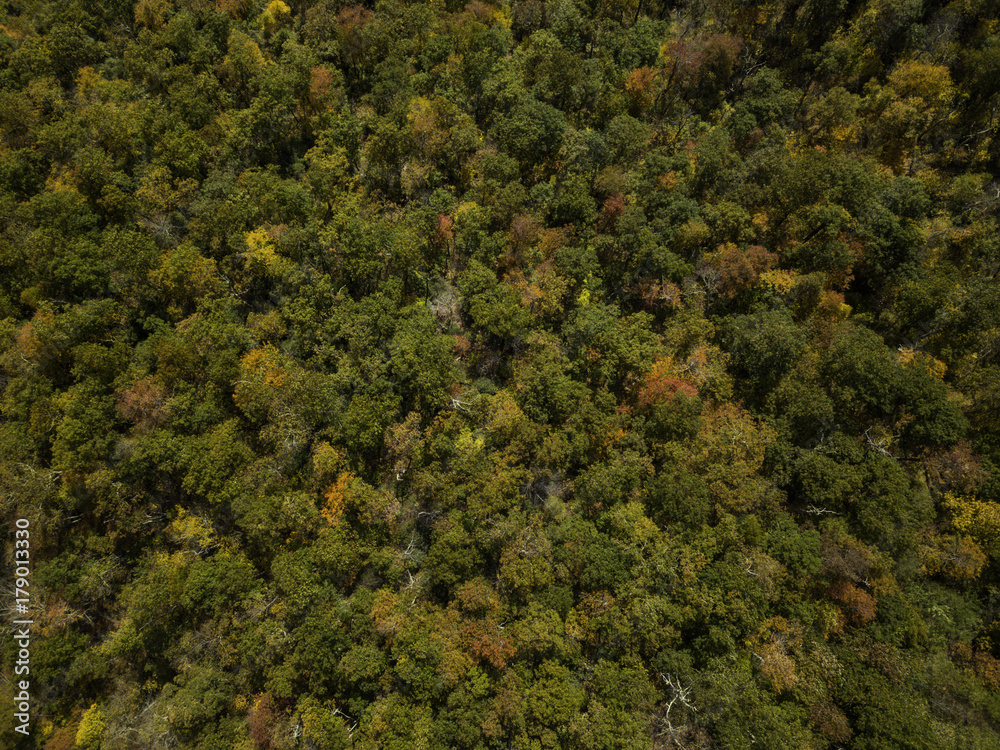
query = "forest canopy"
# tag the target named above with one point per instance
(581, 374)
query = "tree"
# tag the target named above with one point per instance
(553, 702)
(532, 129)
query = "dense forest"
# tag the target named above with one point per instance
(583, 374)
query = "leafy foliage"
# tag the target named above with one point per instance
(520, 375)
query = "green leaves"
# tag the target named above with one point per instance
(867, 380)
(532, 129)
(553, 702)
(421, 360)
(762, 348)
(495, 307)
(526, 376)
